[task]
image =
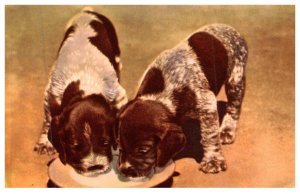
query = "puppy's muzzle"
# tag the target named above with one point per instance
(95, 168)
(128, 171)
(93, 165)
(132, 174)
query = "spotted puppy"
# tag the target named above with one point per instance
(83, 94)
(182, 84)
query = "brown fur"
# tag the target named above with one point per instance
(68, 125)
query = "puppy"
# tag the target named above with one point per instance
(83, 95)
(182, 84)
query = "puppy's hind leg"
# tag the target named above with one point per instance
(235, 90)
(237, 53)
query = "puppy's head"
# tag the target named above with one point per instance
(148, 138)
(81, 130)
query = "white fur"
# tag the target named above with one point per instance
(78, 59)
(237, 74)
(95, 159)
(165, 101)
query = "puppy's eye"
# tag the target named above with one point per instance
(75, 145)
(143, 150)
(105, 143)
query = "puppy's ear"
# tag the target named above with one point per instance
(113, 122)
(55, 136)
(71, 94)
(55, 108)
(52, 132)
(116, 128)
(62, 154)
(171, 142)
(115, 135)
(59, 146)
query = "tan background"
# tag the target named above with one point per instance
(264, 152)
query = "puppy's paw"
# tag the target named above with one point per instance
(227, 130)
(227, 136)
(44, 146)
(213, 165)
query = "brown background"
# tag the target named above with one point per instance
(264, 152)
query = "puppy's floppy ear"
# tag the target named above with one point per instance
(115, 135)
(55, 108)
(114, 124)
(116, 128)
(116, 131)
(172, 141)
(71, 95)
(55, 136)
(62, 154)
(54, 122)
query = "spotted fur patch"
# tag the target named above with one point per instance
(193, 73)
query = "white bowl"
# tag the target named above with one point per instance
(66, 176)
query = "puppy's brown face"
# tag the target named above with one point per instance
(81, 132)
(148, 139)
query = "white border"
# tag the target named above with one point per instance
(297, 139)
(151, 2)
(145, 2)
(2, 99)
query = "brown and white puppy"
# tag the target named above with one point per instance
(83, 95)
(182, 84)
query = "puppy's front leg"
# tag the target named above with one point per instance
(43, 144)
(213, 160)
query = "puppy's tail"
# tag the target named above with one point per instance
(87, 8)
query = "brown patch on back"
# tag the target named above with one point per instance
(153, 82)
(103, 43)
(112, 35)
(213, 58)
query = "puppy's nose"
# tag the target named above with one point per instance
(129, 171)
(95, 167)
